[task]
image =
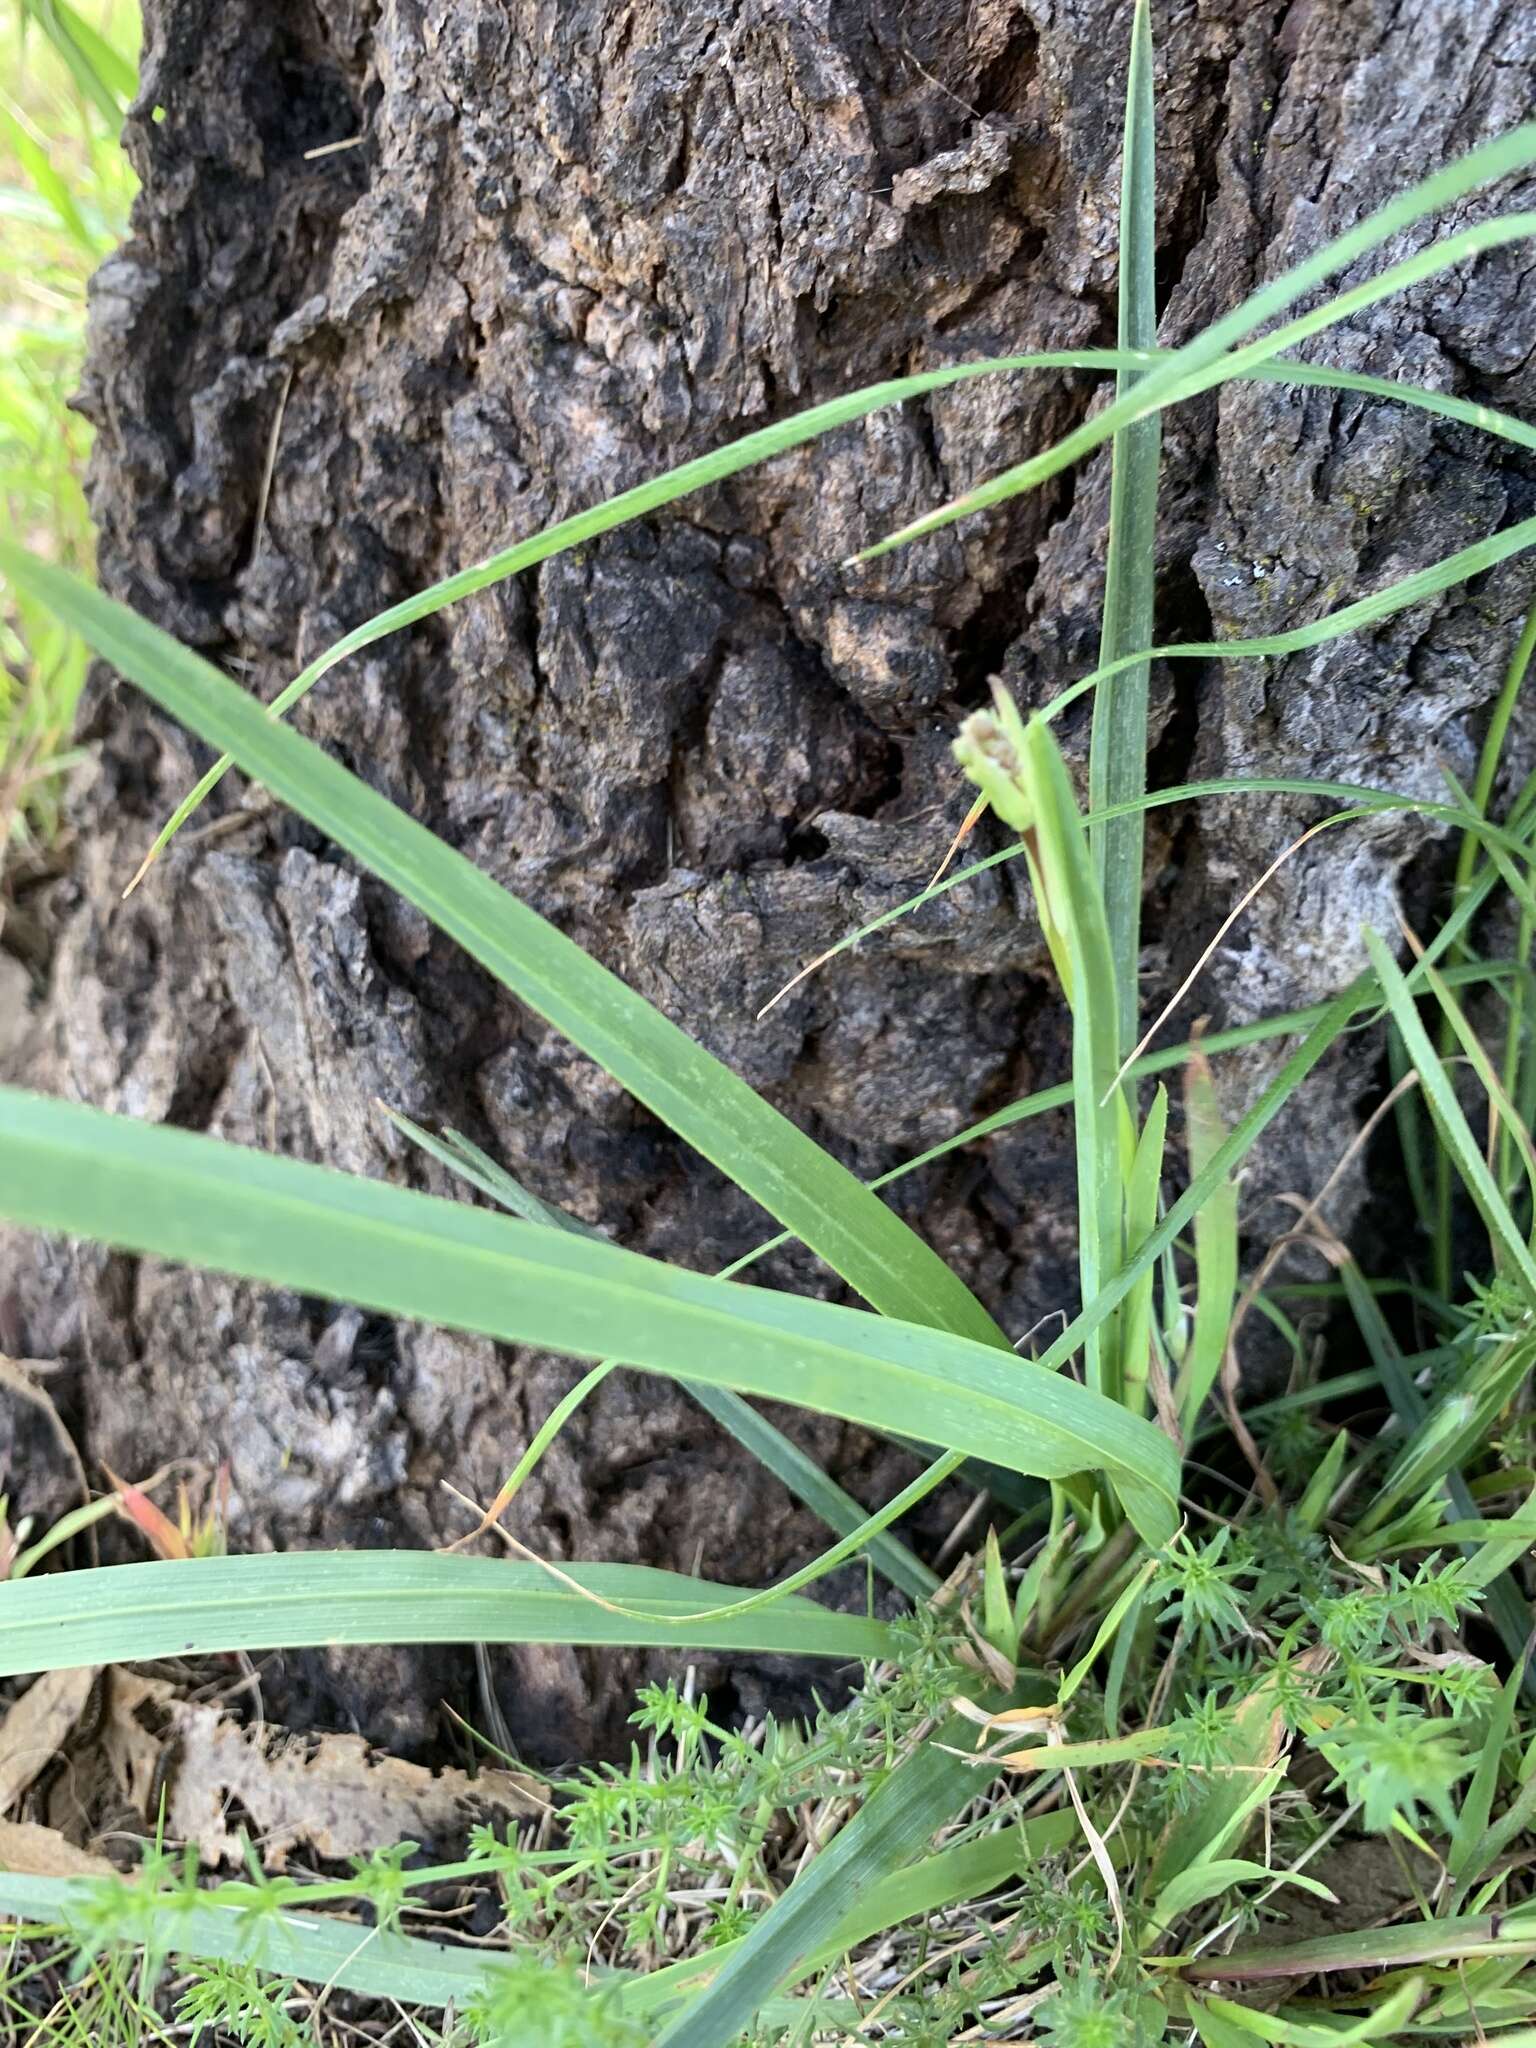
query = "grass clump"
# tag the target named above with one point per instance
(1222, 1730)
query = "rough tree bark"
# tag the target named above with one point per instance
(567, 243)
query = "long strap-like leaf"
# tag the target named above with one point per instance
(172, 1193)
(318, 1948)
(293, 1599)
(1117, 761)
(826, 1206)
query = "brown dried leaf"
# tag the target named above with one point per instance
(34, 1851)
(331, 1794)
(129, 1740)
(38, 1727)
(1009, 1719)
(983, 1656)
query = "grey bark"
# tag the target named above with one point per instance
(573, 242)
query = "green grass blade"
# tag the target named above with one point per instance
(51, 188)
(177, 1195)
(869, 1527)
(1320, 1025)
(805, 1479)
(1466, 412)
(289, 1944)
(636, 503)
(1497, 1546)
(1499, 1836)
(1449, 1120)
(1388, 2020)
(1510, 839)
(1215, 2032)
(1448, 1939)
(1422, 1159)
(1284, 1024)
(1364, 798)
(195, 1607)
(755, 1433)
(1311, 1509)
(1512, 1132)
(1490, 760)
(947, 1878)
(116, 70)
(1216, 1245)
(1108, 1629)
(890, 1830)
(1491, 757)
(1445, 574)
(1223, 1802)
(104, 74)
(478, 1169)
(1200, 363)
(101, 73)
(1101, 1121)
(1508, 1608)
(762, 446)
(1141, 1199)
(1519, 1063)
(827, 1207)
(1227, 1156)
(1118, 752)
(1476, 1809)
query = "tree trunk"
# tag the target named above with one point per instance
(409, 278)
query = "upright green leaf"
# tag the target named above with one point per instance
(1476, 1808)
(52, 188)
(1440, 1096)
(1141, 1199)
(1102, 1121)
(1320, 1035)
(1512, 1132)
(1507, 1606)
(102, 73)
(794, 1179)
(1216, 1245)
(1118, 753)
(1491, 757)
(1319, 1490)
